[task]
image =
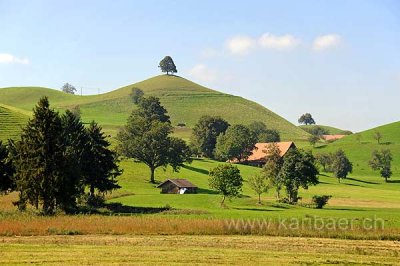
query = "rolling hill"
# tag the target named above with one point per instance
(185, 101)
(331, 130)
(11, 121)
(359, 150)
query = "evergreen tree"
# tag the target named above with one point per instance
(101, 168)
(39, 159)
(6, 169)
(168, 65)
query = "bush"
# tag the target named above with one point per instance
(320, 201)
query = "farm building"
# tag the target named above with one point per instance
(258, 155)
(177, 186)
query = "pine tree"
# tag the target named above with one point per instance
(101, 168)
(6, 169)
(39, 159)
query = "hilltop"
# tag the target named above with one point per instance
(185, 101)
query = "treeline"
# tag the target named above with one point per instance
(57, 162)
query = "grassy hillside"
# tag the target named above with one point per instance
(359, 151)
(186, 102)
(11, 121)
(331, 130)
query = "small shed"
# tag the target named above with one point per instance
(177, 186)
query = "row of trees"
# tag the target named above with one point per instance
(213, 137)
(293, 171)
(56, 160)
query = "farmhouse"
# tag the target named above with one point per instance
(258, 155)
(177, 186)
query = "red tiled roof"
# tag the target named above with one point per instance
(259, 151)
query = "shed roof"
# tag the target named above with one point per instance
(179, 182)
(259, 152)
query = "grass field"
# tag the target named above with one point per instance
(11, 121)
(185, 101)
(195, 250)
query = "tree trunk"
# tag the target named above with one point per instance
(259, 199)
(91, 191)
(338, 179)
(152, 169)
(385, 179)
(223, 200)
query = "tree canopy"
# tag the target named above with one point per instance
(68, 88)
(168, 65)
(146, 137)
(381, 160)
(226, 179)
(205, 133)
(236, 143)
(263, 134)
(306, 119)
(341, 165)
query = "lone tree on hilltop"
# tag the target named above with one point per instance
(68, 88)
(306, 119)
(168, 65)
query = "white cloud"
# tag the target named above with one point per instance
(9, 59)
(202, 73)
(287, 41)
(240, 45)
(326, 41)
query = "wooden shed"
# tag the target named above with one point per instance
(177, 186)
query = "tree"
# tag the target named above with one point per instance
(317, 131)
(263, 134)
(272, 167)
(236, 143)
(168, 65)
(341, 165)
(298, 170)
(378, 136)
(136, 95)
(259, 184)
(6, 169)
(382, 161)
(205, 133)
(102, 168)
(68, 88)
(325, 160)
(306, 119)
(313, 140)
(146, 138)
(39, 160)
(226, 179)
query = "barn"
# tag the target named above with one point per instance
(177, 186)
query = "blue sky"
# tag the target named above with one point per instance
(338, 60)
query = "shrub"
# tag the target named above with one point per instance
(320, 201)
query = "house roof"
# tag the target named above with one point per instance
(259, 152)
(181, 183)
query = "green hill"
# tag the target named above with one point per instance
(11, 121)
(359, 151)
(185, 101)
(329, 129)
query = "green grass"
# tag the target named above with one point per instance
(11, 122)
(194, 250)
(331, 130)
(185, 101)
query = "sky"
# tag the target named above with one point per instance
(338, 60)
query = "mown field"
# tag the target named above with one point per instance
(195, 250)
